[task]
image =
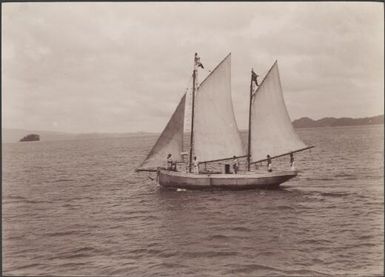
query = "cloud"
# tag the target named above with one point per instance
(119, 67)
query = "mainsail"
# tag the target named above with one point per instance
(170, 141)
(271, 129)
(216, 133)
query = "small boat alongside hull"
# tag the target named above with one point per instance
(248, 180)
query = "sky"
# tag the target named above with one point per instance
(122, 67)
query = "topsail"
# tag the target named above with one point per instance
(271, 129)
(170, 141)
(216, 134)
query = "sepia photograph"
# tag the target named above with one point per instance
(192, 139)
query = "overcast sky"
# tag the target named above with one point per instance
(122, 67)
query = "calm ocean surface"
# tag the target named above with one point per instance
(78, 208)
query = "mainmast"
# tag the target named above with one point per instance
(249, 135)
(192, 118)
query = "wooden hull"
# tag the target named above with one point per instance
(248, 180)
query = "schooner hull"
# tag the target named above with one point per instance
(250, 180)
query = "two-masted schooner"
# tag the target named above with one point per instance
(215, 138)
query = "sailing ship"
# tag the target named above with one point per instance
(215, 137)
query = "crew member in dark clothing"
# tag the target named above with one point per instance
(235, 164)
(292, 161)
(269, 164)
(169, 162)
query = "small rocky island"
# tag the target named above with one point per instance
(31, 137)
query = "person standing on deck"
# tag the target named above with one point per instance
(269, 164)
(195, 165)
(235, 164)
(169, 162)
(292, 161)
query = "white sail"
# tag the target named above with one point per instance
(271, 129)
(170, 141)
(216, 134)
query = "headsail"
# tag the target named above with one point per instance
(216, 132)
(170, 141)
(271, 129)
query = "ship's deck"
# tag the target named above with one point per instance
(240, 175)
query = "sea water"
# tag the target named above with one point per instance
(78, 208)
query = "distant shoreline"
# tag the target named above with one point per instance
(339, 126)
(306, 122)
(14, 135)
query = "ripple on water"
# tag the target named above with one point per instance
(79, 208)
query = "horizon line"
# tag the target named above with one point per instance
(155, 132)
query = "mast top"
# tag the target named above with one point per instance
(212, 71)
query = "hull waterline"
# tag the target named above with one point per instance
(266, 180)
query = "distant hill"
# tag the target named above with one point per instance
(306, 122)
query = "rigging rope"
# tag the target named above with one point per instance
(187, 84)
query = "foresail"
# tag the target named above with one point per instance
(170, 141)
(271, 129)
(216, 132)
